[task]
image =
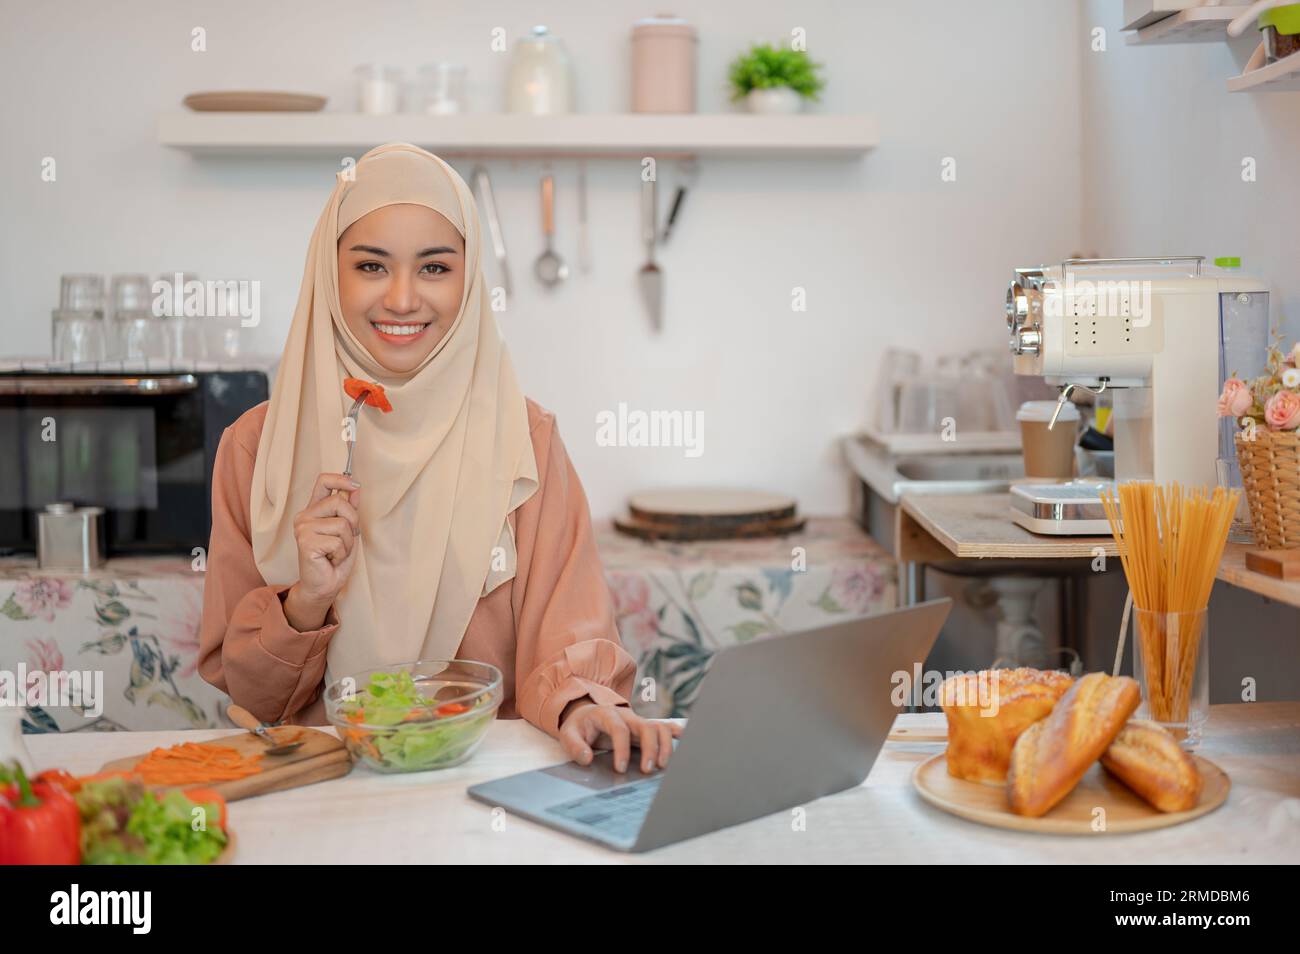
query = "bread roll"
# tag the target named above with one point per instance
(1051, 756)
(986, 713)
(1150, 761)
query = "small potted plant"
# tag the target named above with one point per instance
(774, 80)
(1267, 410)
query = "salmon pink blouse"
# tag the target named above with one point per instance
(550, 630)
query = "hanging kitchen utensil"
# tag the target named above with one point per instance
(549, 267)
(484, 185)
(688, 172)
(584, 239)
(650, 277)
(676, 207)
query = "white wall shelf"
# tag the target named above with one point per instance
(504, 135)
(1197, 25)
(1279, 77)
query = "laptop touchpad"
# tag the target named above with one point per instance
(600, 773)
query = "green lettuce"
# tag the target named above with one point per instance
(123, 823)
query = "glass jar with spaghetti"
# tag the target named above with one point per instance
(1171, 662)
(1171, 541)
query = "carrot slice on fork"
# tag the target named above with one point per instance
(375, 397)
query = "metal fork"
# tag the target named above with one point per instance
(352, 416)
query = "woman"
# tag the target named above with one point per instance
(463, 531)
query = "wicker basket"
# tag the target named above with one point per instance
(1270, 471)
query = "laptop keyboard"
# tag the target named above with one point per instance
(617, 812)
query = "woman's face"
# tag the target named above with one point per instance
(401, 278)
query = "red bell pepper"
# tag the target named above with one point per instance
(39, 824)
(64, 780)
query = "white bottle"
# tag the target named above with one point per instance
(540, 81)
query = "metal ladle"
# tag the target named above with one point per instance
(549, 267)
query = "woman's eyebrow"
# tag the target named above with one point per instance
(423, 253)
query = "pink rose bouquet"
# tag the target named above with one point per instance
(1273, 397)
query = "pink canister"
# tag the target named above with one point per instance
(663, 65)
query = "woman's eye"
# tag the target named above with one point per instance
(441, 268)
(370, 267)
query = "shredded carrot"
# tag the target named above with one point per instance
(189, 763)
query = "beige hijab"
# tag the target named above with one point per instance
(439, 474)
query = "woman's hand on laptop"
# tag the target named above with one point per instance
(588, 725)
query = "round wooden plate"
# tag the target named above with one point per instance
(1073, 815)
(254, 101)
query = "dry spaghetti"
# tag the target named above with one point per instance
(1170, 544)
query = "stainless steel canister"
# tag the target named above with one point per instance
(70, 537)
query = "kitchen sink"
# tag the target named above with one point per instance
(890, 477)
(884, 477)
(959, 467)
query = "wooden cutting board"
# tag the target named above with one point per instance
(653, 530)
(714, 506)
(1073, 815)
(321, 757)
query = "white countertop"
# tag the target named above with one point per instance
(427, 818)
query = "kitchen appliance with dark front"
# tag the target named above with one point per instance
(139, 445)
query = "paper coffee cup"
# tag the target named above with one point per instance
(1049, 454)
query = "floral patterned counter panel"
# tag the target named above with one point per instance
(679, 603)
(137, 620)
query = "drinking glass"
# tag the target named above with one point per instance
(78, 337)
(82, 293)
(1171, 662)
(131, 293)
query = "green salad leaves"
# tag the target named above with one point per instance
(398, 729)
(122, 823)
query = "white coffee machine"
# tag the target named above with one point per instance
(1158, 332)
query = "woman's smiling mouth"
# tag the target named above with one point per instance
(400, 332)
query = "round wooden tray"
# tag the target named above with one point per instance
(254, 101)
(686, 533)
(714, 506)
(1073, 815)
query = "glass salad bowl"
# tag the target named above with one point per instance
(415, 716)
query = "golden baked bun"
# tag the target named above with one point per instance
(986, 713)
(1150, 761)
(1051, 756)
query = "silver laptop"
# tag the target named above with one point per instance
(778, 722)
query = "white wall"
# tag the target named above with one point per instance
(888, 253)
(1163, 150)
